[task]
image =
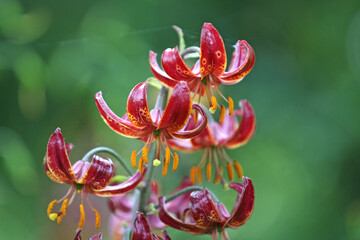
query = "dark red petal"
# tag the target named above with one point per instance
(191, 133)
(166, 235)
(78, 236)
(137, 106)
(177, 109)
(124, 187)
(204, 211)
(246, 128)
(141, 228)
(119, 125)
(173, 222)
(244, 204)
(158, 73)
(99, 173)
(175, 67)
(57, 160)
(242, 62)
(212, 52)
(205, 139)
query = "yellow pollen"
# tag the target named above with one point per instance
(97, 217)
(193, 175)
(82, 216)
(133, 159)
(141, 165)
(50, 207)
(199, 174)
(231, 105)
(175, 162)
(156, 162)
(145, 154)
(165, 169)
(167, 155)
(238, 169)
(222, 114)
(230, 171)
(53, 216)
(217, 177)
(213, 107)
(208, 171)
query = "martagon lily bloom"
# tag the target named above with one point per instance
(215, 138)
(83, 177)
(209, 71)
(157, 124)
(204, 216)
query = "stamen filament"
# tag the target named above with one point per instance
(133, 159)
(238, 169)
(222, 114)
(231, 105)
(82, 216)
(193, 175)
(230, 171)
(175, 161)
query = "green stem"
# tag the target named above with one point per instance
(90, 154)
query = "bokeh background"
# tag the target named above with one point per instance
(304, 158)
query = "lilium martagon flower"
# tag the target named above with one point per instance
(204, 216)
(227, 133)
(209, 71)
(155, 125)
(83, 177)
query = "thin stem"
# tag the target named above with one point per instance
(189, 50)
(160, 97)
(90, 154)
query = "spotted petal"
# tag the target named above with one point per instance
(246, 128)
(57, 163)
(119, 125)
(212, 52)
(242, 62)
(160, 74)
(137, 106)
(141, 228)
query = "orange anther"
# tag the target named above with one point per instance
(193, 175)
(64, 206)
(141, 165)
(82, 216)
(50, 207)
(199, 174)
(165, 169)
(222, 114)
(167, 155)
(97, 219)
(133, 159)
(213, 104)
(230, 171)
(238, 169)
(175, 161)
(145, 154)
(231, 105)
(208, 171)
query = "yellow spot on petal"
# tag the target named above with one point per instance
(193, 175)
(208, 171)
(82, 216)
(167, 155)
(53, 216)
(222, 114)
(97, 217)
(50, 207)
(230, 171)
(175, 161)
(156, 162)
(133, 159)
(145, 154)
(238, 169)
(141, 165)
(231, 105)
(213, 105)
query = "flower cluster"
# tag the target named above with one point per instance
(178, 123)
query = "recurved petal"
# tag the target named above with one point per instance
(181, 145)
(242, 62)
(119, 125)
(204, 210)
(212, 52)
(175, 67)
(177, 109)
(244, 204)
(137, 106)
(141, 228)
(99, 173)
(191, 133)
(123, 187)
(160, 74)
(173, 222)
(57, 160)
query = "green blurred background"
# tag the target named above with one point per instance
(304, 158)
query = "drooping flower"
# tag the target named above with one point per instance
(209, 71)
(83, 177)
(94, 237)
(121, 208)
(157, 124)
(204, 216)
(142, 230)
(215, 138)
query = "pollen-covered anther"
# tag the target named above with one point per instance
(231, 105)
(50, 207)
(199, 174)
(213, 107)
(62, 211)
(165, 168)
(53, 216)
(82, 216)
(222, 114)
(156, 162)
(145, 154)
(167, 155)
(238, 169)
(230, 171)
(133, 159)
(208, 171)
(141, 165)
(193, 175)
(175, 161)
(97, 219)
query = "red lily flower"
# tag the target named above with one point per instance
(83, 177)
(209, 71)
(121, 207)
(208, 217)
(159, 125)
(142, 230)
(216, 137)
